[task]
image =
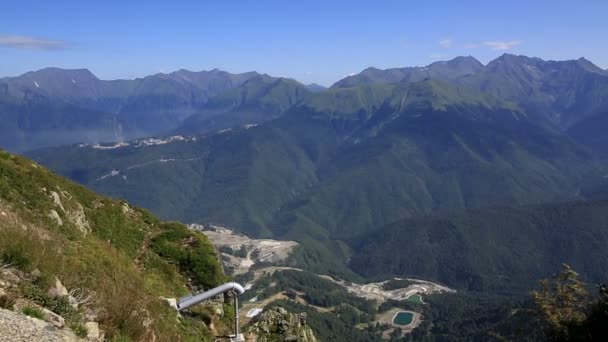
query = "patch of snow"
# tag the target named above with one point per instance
(248, 287)
(254, 299)
(248, 126)
(254, 312)
(73, 81)
(36, 84)
(530, 67)
(224, 130)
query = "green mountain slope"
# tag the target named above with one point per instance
(326, 172)
(560, 92)
(118, 260)
(457, 67)
(557, 92)
(259, 99)
(592, 132)
(490, 249)
(84, 108)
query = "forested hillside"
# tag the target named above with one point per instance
(496, 250)
(344, 163)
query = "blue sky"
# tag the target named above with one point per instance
(311, 41)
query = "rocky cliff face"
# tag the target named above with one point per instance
(279, 325)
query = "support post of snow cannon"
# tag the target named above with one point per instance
(235, 288)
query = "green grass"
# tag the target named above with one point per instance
(415, 299)
(32, 312)
(115, 265)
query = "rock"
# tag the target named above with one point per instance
(93, 332)
(57, 200)
(172, 302)
(125, 208)
(73, 302)
(58, 290)
(53, 318)
(54, 215)
(280, 325)
(79, 219)
(18, 328)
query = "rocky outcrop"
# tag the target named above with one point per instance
(278, 324)
(19, 328)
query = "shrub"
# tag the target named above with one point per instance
(32, 312)
(79, 329)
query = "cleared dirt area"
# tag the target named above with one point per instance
(375, 291)
(257, 250)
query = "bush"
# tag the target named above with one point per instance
(32, 312)
(79, 330)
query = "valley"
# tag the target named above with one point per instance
(262, 292)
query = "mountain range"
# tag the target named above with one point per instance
(52, 107)
(332, 168)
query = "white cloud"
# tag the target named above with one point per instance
(27, 42)
(445, 43)
(502, 45)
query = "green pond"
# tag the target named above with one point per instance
(403, 318)
(414, 299)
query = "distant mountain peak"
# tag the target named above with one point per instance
(589, 66)
(58, 72)
(314, 87)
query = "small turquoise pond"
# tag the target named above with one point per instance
(403, 318)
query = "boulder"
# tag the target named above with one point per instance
(93, 332)
(58, 290)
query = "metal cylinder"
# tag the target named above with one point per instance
(236, 316)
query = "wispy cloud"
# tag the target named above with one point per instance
(471, 46)
(445, 43)
(502, 45)
(27, 42)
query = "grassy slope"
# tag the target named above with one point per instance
(126, 262)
